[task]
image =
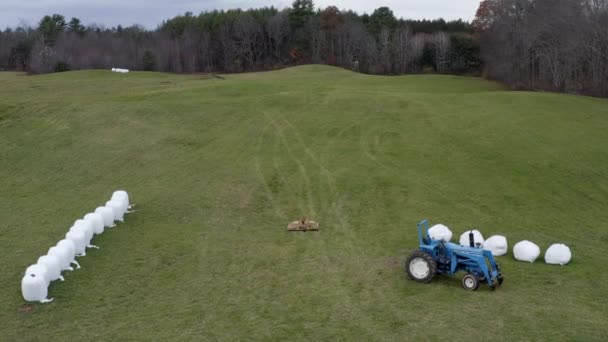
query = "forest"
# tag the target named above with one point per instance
(527, 44)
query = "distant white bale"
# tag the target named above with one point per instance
(79, 240)
(126, 71)
(107, 214)
(34, 288)
(64, 257)
(53, 264)
(86, 227)
(558, 254)
(40, 271)
(497, 244)
(113, 69)
(96, 220)
(71, 247)
(526, 251)
(440, 232)
(477, 238)
(118, 209)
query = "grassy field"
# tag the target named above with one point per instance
(219, 167)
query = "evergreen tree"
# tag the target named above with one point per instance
(301, 11)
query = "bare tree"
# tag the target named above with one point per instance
(402, 43)
(441, 47)
(277, 28)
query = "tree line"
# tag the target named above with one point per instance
(248, 40)
(546, 44)
(528, 44)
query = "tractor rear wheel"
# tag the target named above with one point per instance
(420, 266)
(470, 282)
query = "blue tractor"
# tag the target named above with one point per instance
(438, 256)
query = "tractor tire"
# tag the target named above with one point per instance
(420, 267)
(470, 282)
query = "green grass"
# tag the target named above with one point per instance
(219, 167)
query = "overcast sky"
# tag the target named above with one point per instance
(150, 13)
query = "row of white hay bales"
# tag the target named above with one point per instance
(119, 70)
(556, 254)
(61, 257)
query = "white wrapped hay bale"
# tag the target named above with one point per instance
(496, 244)
(53, 265)
(558, 254)
(526, 251)
(107, 214)
(79, 240)
(123, 196)
(70, 246)
(64, 257)
(34, 288)
(40, 271)
(117, 208)
(96, 221)
(113, 69)
(477, 238)
(86, 227)
(440, 232)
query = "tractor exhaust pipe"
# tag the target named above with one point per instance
(471, 239)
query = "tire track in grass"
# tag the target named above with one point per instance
(260, 174)
(396, 310)
(357, 313)
(278, 171)
(330, 180)
(328, 146)
(345, 229)
(296, 161)
(365, 146)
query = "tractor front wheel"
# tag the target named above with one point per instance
(470, 282)
(420, 267)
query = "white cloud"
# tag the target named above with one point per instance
(150, 13)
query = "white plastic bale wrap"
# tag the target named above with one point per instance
(113, 69)
(526, 251)
(63, 254)
(34, 288)
(558, 254)
(107, 214)
(117, 208)
(96, 220)
(39, 270)
(79, 240)
(53, 265)
(440, 232)
(477, 238)
(496, 244)
(86, 227)
(122, 196)
(71, 247)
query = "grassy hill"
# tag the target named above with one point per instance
(219, 167)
